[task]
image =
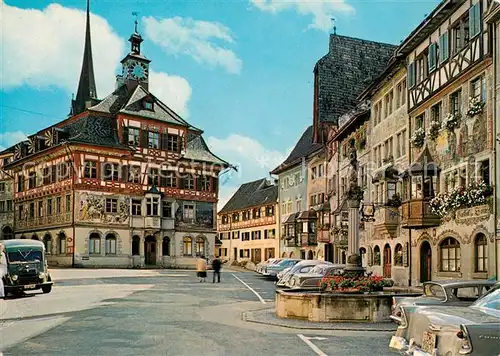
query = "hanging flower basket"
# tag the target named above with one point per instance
(435, 126)
(418, 137)
(451, 121)
(445, 204)
(476, 107)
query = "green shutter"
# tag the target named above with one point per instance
(444, 48)
(411, 74)
(474, 20)
(431, 59)
(144, 139)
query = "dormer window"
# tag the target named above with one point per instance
(148, 105)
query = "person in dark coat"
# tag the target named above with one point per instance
(216, 265)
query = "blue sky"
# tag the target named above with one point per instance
(240, 70)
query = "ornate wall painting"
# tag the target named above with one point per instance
(442, 146)
(205, 214)
(92, 208)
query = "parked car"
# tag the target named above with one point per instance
(449, 292)
(451, 330)
(302, 267)
(312, 279)
(273, 270)
(269, 262)
(26, 267)
(283, 273)
(260, 265)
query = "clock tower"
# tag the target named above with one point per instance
(135, 67)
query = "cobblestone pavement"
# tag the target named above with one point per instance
(165, 312)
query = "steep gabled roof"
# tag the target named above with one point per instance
(94, 130)
(131, 103)
(345, 72)
(303, 148)
(197, 150)
(252, 194)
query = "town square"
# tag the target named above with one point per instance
(256, 177)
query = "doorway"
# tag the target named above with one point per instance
(329, 252)
(387, 261)
(235, 251)
(425, 262)
(302, 254)
(310, 255)
(150, 251)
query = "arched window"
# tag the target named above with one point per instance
(35, 237)
(165, 247)
(376, 256)
(481, 256)
(362, 253)
(47, 241)
(283, 255)
(136, 241)
(110, 244)
(450, 255)
(61, 245)
(398, 255)
(291, 254)
(7, 233)
(188, 246)
(94, 244)
(200, 246)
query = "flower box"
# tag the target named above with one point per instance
(418, 138)
(476, 106)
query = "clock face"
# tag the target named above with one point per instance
(138, 71)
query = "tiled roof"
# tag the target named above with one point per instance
(197, 150)
(256, 193)
(345, 71)
(303, 148)
(94, 130)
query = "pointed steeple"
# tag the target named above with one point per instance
(86, 87)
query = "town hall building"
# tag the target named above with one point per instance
(122, 182)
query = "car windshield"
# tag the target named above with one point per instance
(24, 256)
(434, 291)
(490, 300)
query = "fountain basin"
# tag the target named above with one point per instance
(336, 307)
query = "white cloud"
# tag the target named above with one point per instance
(10, 138)
(43, 48)
(197, 39)
(254, 161)
(322, 11)
(173, 90)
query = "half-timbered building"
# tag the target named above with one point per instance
(123, 181)
(447, 206)
(6, 197)
(248, 223)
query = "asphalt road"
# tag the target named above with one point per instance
(164, 313)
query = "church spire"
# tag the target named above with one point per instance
(86, 86)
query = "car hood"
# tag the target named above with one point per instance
(457, 315)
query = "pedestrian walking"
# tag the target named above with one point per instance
(3, 270)
(216, 265)
(201, 269)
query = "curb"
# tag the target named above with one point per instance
(328, 326)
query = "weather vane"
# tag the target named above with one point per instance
(334, 27)
(136, 14)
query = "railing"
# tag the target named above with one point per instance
(416, 213)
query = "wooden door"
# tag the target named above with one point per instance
(425, 262)
(150, 252)
(387, 261)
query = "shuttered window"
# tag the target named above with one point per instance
(411, 75)
(444, 47)
(474, 20)
(432, 58)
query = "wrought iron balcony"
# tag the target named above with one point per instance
(417, 214)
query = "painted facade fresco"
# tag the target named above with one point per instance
(93, 208)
